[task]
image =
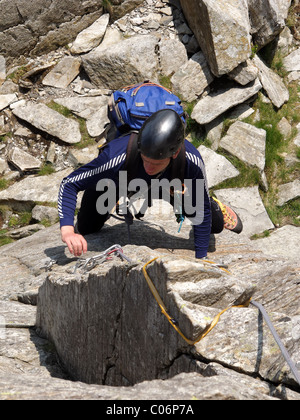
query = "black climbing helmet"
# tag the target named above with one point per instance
(162, 135)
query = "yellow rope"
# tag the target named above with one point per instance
(171, 320)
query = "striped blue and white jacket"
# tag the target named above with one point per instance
(108, 166)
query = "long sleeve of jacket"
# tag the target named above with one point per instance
(105, 166)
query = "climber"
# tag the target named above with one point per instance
(158, 151)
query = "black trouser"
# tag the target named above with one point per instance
(217, 219)
(90, 221)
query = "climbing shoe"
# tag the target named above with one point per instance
(232, 221)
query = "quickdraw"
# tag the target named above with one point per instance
(88, 264)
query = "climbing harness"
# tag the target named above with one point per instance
(124, 213)
(215, 321)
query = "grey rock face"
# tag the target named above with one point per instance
(105, 325)
(44, 25)
(122, 337)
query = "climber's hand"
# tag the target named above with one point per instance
(76, 243)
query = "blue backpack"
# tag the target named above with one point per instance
(130, 107)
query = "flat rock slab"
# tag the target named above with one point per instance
(249, 206)
(93, 109)
(49, 121)
(246, 142)
(91, 37)
(288, 237)
(275, 279)
(63, 73)
(6, 100)
(244, 332)
(210, 107)
(272, 83)
(23, 161)
(185, 387)
(84, 106)
(287, 192)
(218, 168)
(23, 354)
(34, 189)
(15, 314)
(292, 61)
(15, 277)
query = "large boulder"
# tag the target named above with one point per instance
(225, 38)
(123, 63)
(114, 306)
(267, 19)
(132, 60)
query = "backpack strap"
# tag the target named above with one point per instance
(178, 165)
(132, 157)
(132, 163)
